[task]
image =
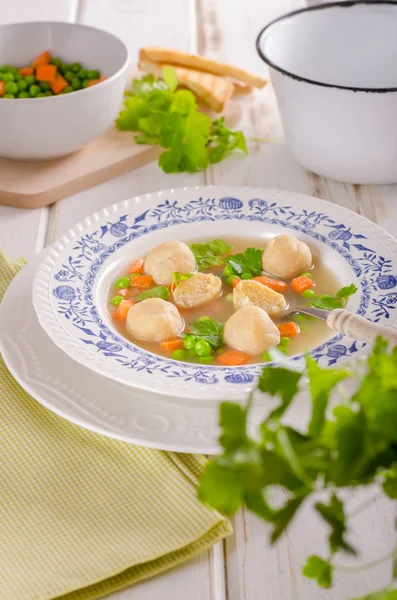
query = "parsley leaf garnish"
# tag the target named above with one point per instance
(207, 329)
(210, 254)
(156, 292)
(170, 118)
(339, 300)
(247, 263)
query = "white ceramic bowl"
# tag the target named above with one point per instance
(44, 128)
(334, 70)
(71, 285)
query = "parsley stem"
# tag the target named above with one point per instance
(369, 565)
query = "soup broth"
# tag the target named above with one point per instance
(311, 331)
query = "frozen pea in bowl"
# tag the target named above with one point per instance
(61, 86)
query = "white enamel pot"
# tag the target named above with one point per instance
(334, 71)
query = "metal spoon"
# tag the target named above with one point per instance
(352, 325)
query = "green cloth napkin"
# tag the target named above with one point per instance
(82, 515)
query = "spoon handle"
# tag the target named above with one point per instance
(359, 328)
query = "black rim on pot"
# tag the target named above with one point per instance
(330, 5)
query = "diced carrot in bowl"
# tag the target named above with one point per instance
(233, 358)
(95, 81)
(235, 282)
(172, 345)
(122, 310)
(26, 71)
(274, 284)
(46, 73)
(289, 330)
(301, 284)
(43, 59)
(137, 266)
(143, 282)
(59, 84)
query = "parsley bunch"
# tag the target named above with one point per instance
(170, 118)
(351, 446)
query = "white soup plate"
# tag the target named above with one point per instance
(70, 290)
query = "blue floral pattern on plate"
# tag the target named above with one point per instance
(75, 276)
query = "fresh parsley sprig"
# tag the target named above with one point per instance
(353, 445)
(339, 300)
(178, 277)
(247, 264)
(170, 118)
(207, 329)
(211, 254)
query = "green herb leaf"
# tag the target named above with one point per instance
(339, 300)
(210, 254)
(279, 382)
(248, 262)
(177, 277)
(322, 381)
(222, 141)
(320, 570)
(233, 425)
(170, 78)
(284, 516)
(208, 330)
(333, 514)
(390, 483)
(170, 117)
(156, 292)
(221, 487)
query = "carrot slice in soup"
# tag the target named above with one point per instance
(122, 310)
(274, 284)
(235, 282)
(290, 329)
(232, 358)
(171, 345)
(143, 282)
(137, 266)
(301, 284)
(59, 84)
(46, 73)
(26, 71)
(43, 59)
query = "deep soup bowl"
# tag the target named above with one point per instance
(70, 291)
(334, 71)
(46, 128)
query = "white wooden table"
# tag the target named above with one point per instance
(244, 567)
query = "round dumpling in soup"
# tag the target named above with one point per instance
(286, 257)
(199, 289)
(252, 293)
(168, 257)
(154, 320)
(251, 330)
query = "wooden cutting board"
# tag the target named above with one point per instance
(36, 184)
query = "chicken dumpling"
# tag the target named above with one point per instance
(154, 320)
(166, 258)
(251, 330)
(199, 289)
(286, 257)
(252, 293)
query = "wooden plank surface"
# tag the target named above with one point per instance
(223, 29)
